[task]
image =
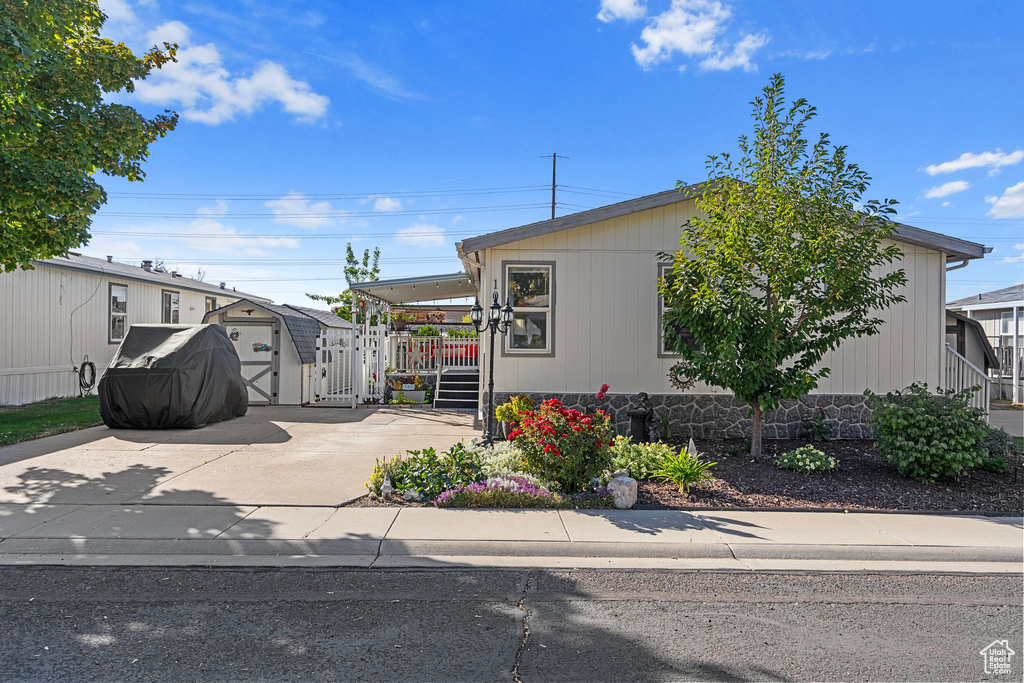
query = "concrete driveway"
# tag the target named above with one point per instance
(286, 456)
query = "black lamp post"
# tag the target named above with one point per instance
(498, 320)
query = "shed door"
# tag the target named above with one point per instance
(257, 345)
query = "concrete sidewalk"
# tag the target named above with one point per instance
(250, 536)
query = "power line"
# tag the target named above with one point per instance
(361, 196)
(330, 214)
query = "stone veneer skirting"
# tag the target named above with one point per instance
(721, 416)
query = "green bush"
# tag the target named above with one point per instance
(806, 459)
(640, 460)
(427, 331)
(503, 459)
(999, 443)
(426, 472)
(928, 435)
(993, 463)
(684, 470)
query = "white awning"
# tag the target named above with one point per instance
(413, 290)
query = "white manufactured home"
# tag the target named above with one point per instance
(76, 309)
(587, 312)
(998, 315)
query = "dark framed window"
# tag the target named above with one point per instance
(118, 318)
(530, 291)
(170, 310)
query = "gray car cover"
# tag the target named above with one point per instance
(172, 376)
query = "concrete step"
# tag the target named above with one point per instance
(440, 402)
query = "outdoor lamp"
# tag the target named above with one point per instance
(498, 320)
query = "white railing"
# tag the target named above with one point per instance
(962, 374)
(432, 354)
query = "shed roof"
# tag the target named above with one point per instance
(1007, 295)
(956, 249)
(303, 324)
(126, 271)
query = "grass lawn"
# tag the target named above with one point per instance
(54, 416)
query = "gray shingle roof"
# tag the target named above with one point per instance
(326, 317)
(302, 328)
(1005, 295)
(123, 270)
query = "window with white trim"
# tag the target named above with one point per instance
(681, 331)
(530, 293)
(170, 315)
(211, 303)
(118, 313)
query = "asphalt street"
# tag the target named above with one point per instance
(80, 624)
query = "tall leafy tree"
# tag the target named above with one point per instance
(783, 262)
(365, 270)
(57, 127)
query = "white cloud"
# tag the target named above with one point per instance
(208, 93)
(118, 10)
(218, 208)
(375, 77)
(947, 189)
(1018, 257)
(227, 240)
(101, 246)
(630, 10)
(294, 209)
(993, 160)
(421, 235)
(386, 204)
(694, 28)
(739, 57)
(1010, 205)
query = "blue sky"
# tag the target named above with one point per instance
(411, 125)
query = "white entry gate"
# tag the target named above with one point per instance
(350, 367)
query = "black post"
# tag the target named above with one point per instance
(489, 435)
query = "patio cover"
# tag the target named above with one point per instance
(411, 290)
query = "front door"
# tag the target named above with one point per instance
(256, 344)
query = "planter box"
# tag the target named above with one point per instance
(414, 396)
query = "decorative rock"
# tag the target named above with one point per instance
(373, 496)
(623, 490)
(620, 473)
(410, 496)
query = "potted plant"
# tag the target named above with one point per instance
(399, 320)
(408, 389)
(508, 413)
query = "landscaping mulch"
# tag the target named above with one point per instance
(864, 481)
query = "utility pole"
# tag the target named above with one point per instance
(554, 164)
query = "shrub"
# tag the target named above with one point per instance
(806, 459)
(564, 445)
(999, 443)
(517, 492)
(510, 411)
(815, 429)
(426, 472)
(639, 459)
(928, 435)
(503, 459)
(684, 469)
(427, 331)
(993, 463)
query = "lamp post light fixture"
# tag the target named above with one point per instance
(499, 319)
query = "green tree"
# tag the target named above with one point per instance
(356, 270)
(782, 264)
(57, 128)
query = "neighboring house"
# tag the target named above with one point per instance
(587, 313)
(1000, 314)
(75, 307)
(277, 346)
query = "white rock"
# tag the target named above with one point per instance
(411, 496)
(623, 490)
(620, 473)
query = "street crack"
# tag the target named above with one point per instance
(526, 629)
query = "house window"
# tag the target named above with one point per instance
(170, 308)
(530, 292)
(211, 303)
(680, 331)
(118, 312)
(1006, 320)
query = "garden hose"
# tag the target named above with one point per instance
(86, 376)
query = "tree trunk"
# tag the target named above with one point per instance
(755, 441)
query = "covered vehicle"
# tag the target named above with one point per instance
(172, 376)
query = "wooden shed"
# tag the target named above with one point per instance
(277, 347)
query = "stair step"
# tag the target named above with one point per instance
(453, 403)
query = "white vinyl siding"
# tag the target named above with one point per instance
(607, 314)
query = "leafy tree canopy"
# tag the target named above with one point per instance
(783, 262)
(56, 127)
(356, 270)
